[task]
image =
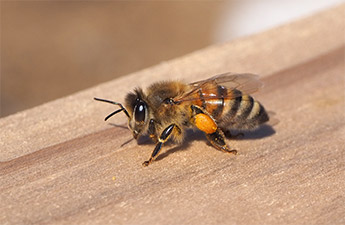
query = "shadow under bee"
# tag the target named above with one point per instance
(263, 131)
(191, 135)
(195, 135)
(119, 126)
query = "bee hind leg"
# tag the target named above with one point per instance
(204, 122)
(217, 139)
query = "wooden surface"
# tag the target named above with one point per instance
(62, 164)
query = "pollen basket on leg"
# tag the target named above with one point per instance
(205, 123)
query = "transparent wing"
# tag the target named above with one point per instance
(245, 83)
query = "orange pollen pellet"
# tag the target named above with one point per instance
(205, 123)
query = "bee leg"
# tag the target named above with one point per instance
(217, 139)
(228, 134)
(163, 138)
(152, 131)
(204, 122)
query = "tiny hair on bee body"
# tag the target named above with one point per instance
(215, 105)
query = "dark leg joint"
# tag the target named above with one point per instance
(164, 136)
(196, 109)
(217, 140)
(166, 133)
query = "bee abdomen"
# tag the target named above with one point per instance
(243, 113)
(232, 108)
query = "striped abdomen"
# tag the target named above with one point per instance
(232, 109)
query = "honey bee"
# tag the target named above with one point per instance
(213, 106)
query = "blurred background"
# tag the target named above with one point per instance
(50, 49)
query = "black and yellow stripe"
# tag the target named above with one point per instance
(242, 112)
(222, 92)
(232, 108)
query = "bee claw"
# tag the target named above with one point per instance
(146, 163)
(232, 151)
(227, 150)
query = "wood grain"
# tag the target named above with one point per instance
(61, 164)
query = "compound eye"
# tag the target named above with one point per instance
(139, 111)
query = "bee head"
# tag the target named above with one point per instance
(138, 112)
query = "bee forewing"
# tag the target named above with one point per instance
(246, 83)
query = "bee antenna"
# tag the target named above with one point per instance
(114, 103)
(113, 113)
(105, 100)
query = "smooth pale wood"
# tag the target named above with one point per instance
(61, 164)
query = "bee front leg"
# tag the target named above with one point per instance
(152, 131)
(163, 138)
